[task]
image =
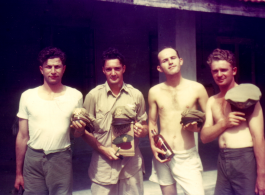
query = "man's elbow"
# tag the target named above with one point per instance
(204, 138)
(23, 137)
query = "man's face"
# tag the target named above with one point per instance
(52, 70)
(223, 73)
(169, 61)
(114, 70)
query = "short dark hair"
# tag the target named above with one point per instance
(111, 54)
(220, 54)
(50, 53)
(169, 47)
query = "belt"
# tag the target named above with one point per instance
(50, 151)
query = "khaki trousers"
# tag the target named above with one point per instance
(128, 186)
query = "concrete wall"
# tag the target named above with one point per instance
(84, 29)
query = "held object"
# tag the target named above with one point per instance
(161, 143)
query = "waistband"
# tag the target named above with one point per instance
(185, 151)
(234, 152)
(50, 151)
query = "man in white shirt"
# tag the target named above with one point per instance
(43, 155)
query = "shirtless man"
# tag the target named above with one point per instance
(169, 100)
(241, 140)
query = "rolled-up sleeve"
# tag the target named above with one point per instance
(141, 111)
(89, 104)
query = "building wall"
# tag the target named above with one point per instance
(85, 29)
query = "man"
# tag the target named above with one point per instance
(169, 100)
(43, 155)
(240, 140)
(110, 174)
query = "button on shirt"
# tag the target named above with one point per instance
(101, 102)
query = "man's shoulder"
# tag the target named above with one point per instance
(96, 91)
(194, 84)
(156, 88)
(74, 91)
(30, 91)
(212, 99)
(134, 90)
(97, 88)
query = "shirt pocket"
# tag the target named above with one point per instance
(100, 113)
(103, 120)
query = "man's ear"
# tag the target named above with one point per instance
(103, 69)
(64, 67)
(180, 61)
(41, 69)
(234, 69)
(159, 68)
(123, 68)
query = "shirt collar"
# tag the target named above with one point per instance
(108, 90)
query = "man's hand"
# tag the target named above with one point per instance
(139, 130)
(109, 153)
(79, 127)
(156, 151)
(233, 119)
(193, 127)
(19, 182)
(260, 185)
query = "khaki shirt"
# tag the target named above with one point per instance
(101, 102)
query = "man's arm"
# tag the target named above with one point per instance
(21, 148)
(140, 129)
(211, 131)
(256, 127)
(109, 152)
(202, 100)
(77, 129)
(153, 115)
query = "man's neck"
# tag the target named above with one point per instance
(224, 89)
(57, 88)
(115, 88)
(174, 80)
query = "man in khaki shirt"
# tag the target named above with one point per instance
(110, 174)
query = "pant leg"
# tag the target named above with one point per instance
(132, 185)
(161, 173)
(128, 186)
(98, 189)
(244, 174)
(223, 186)
(187, 171)
(59, 177)
(33, 173)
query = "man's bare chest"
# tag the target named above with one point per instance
(176, 101)
(220, 109)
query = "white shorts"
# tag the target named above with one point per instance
(184, 168)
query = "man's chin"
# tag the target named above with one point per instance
(113, 81)
(53, 82)
(172, 73)
(221, 83)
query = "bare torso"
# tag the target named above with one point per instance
(170, 104)
(235, 137)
